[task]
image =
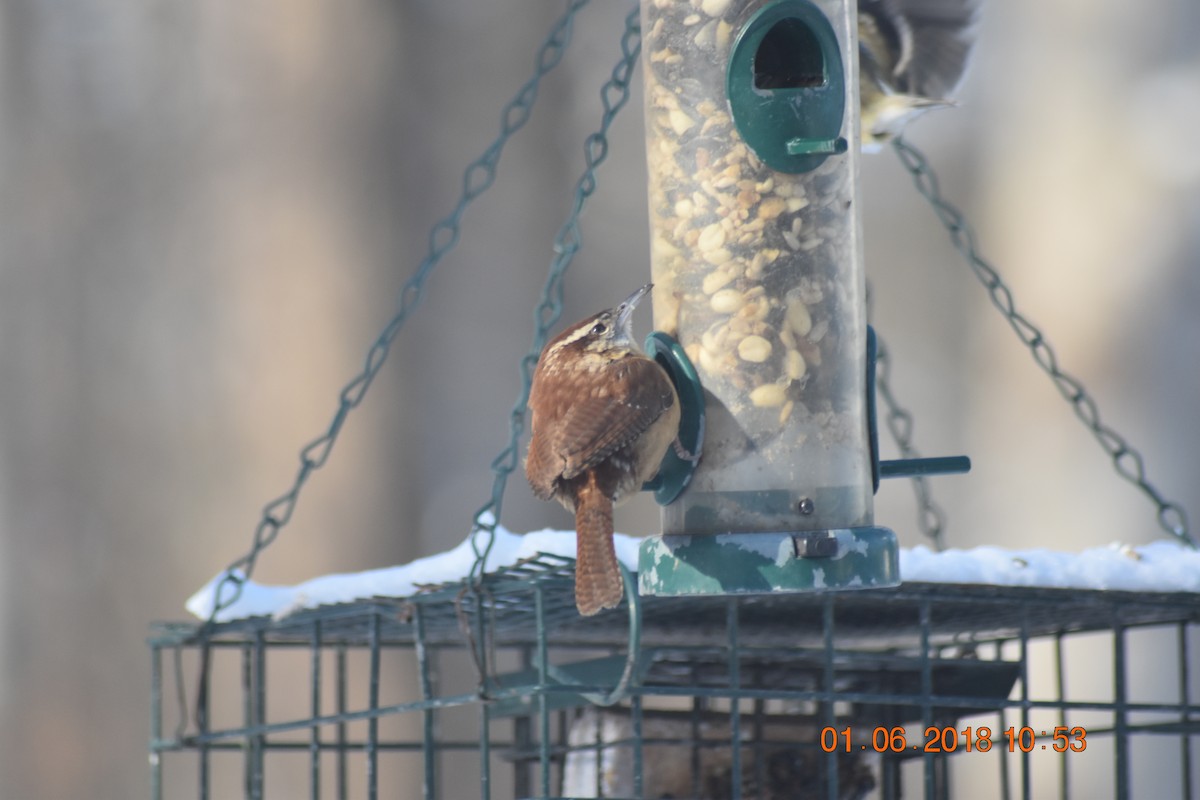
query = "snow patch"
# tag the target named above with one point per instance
(1157, 567)
(508, 548)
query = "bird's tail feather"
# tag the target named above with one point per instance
(598, 581)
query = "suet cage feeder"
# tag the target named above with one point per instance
(737, 673)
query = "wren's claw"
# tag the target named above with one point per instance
(683, 452)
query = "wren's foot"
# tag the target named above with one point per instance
(683, 452)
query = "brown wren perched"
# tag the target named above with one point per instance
(603, 416)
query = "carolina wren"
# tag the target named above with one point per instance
(603, 416)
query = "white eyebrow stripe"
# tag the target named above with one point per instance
(580, 332)
(574, 337)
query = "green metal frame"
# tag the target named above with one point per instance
(708, 671)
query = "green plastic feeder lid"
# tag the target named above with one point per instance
(787, 86)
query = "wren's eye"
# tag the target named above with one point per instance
(599, 329)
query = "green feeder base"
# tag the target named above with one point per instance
(759, 563)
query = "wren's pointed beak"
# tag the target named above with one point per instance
(625, 310)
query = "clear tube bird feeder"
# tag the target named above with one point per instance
(757, 266)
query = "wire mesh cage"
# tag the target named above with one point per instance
(922, 690)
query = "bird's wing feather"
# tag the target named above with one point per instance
(542, 466)
(941, 34)
(596, 426)
(581, 431)
(884, 31)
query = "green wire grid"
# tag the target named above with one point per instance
(708, 671)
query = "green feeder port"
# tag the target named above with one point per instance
(675, 472)
(787, 86)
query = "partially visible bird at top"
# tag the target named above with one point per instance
(912, 55)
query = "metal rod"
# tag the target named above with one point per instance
(543, 671)
(485, 750)
(633, 655)
(428, 732)
(925, 621)
(735, 711)
(248, 718)
(1064, 783)
(202, 695)
(260, 710)
(1121, 720)
(760, 735)
(598, 752)
(155, 722)
(485, 693)
(314, 742)
(1184, 715)
(889, 776)
(983, 704)
(563, 746)
(831, 760)
(698, 706)
(1026, 774)
(937, 465)
(522, 741)
(1005, 781)
(635, 721)
(373, 703)
(941, 768)
(342, 772)
(383, 745)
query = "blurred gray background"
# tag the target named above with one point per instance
(209, 208)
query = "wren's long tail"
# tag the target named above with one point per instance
(598, 581)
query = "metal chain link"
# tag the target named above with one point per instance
(930, 518)
(613, 95)
(1127, 461)
(478, 177)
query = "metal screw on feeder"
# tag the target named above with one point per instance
(757, 265)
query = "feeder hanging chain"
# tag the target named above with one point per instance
(1127, 461)
(930, 517)
(614, 95)
(478, 177)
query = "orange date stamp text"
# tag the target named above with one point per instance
(939, 739)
